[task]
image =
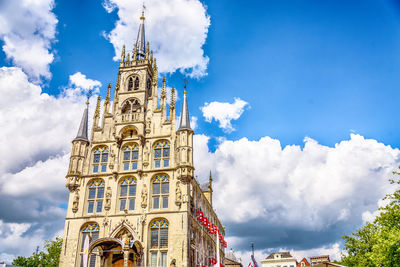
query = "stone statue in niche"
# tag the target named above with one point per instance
(144, 196)
(75, 202)
(107, 205)
(112, 161)
(146, 154)
(178, 194)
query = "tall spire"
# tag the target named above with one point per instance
(83, 127)
(140, 41)
(184, 122)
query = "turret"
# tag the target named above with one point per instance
(78, 153)
(184, 137)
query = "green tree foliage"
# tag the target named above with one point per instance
(49, 257)
(377, 243)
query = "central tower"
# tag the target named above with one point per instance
(133, 198)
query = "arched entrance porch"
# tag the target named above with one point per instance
(113, 252)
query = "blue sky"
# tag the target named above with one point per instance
(307, 68)
(304, 69)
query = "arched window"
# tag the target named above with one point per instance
(95, 196)
(149, 91)
(136, 83)
(127, 194)
(90, 231)
(100, 159)
(160, 192)
(158, 243)
(131, 156)
(130, 84)
(161, 154)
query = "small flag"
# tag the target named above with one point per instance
(254, 261)
(217, 241)
(85, 251)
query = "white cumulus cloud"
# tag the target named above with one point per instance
(35, 141)
(176, 30)
(27, 29)
(292, 197)
(224, 112)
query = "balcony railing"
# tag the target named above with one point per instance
(131, 117)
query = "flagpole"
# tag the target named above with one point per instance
(218, 263)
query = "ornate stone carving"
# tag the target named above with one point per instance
(178, 194)
(72, 182)
(112, 161)
(144, 196)
(107, 205)
(146, 153)
(75, 202)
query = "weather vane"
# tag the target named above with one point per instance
(88, 95)
(185, 83)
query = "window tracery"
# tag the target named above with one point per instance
(158, 243)
(131, 106)
(130, 84)
(161, 154)
(136, 83)
(95, 196)
(91, 231)
(100, 159)
(160, 192)
(130, 157)
(127, 194)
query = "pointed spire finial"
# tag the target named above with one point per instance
(210, 182)
(147, 50)
(140, 40)
(134, 52)
(164, 88)
(97, 111)
(107, 101)
(142, 17)
(184, 121)
(83, 127)
(123, 54)
(172, 104)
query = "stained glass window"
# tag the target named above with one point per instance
(160, 192)
(130, 157)
(90, 230)
(127, 194)
(95, 196)
(159, 243)
(161, 154)
(100, 159)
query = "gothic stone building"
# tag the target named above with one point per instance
(132, 186)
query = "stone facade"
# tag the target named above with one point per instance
(132, 186)
(279, 259)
